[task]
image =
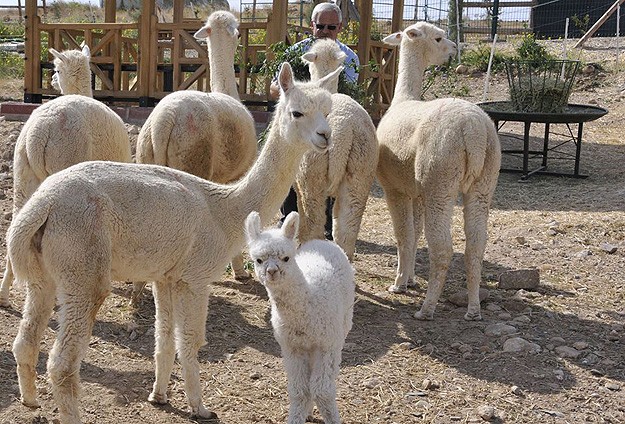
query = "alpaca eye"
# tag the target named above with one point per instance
(297, 114)
(286, 259)
(259, 261)
(438, 40)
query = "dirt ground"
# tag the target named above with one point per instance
(396, 369)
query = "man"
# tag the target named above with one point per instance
(326, 22)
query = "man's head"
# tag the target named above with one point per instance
(327, 21)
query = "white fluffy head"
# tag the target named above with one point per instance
(71, 70)
(324, 57)
(273, 250)
(426, 40)
(303, 109)
(221, 27)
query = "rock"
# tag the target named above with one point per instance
(520, 239)
(462, 69)
(516, 390)
(522, 319)
(519, 279)
(580, 345)
(583, 253)
(461, 298)
(517, 344)
(608, 248)
(588, 70)
(255, 375)
(486, 412)
(567, 352)
(590, 359)
(406, 346)
(558, 341)
(559, 374)
(429, 384)
(371, 383)
(504, 316)
(493, 307)
(613, 386)
(499, 329)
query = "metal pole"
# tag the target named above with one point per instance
(493, 28)
(618, 33)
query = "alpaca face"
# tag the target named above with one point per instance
(69, 66)
(323, 57)
(437, 49)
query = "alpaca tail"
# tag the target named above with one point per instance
(24, 239)
(478, 138)
(160, 134)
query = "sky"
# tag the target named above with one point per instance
(234, 4)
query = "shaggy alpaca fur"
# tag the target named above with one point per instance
(98, 221)
(211, 135)
(347, 171)
(70, 129)
(430, 152)
(311, 290)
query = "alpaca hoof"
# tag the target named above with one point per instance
(421, 316)
(5, 303)
(411, 283)
(31, 403)
(204, 413)
(158, 399)
(397, 289)
(473, 316)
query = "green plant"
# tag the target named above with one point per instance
(531, 50)
(478, 58)
(581, 23)
(11, 65)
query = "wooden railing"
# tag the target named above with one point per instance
(172, 59)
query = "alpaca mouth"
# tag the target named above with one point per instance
(321, 145)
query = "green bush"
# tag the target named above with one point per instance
(478, 58)
(11, 65)
(531, 50)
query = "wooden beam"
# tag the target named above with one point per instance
(365, 8)
(148, 48)
(110, 11)
(31, 51)
(501, 3)
(398, 13)
(598, 24)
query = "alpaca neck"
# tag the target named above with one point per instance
(291, 297)
(80, 86)
(221, 66)
(409, 76)
(267, 183)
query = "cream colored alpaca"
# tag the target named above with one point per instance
(70, 129)
(98, 221)
(211, 135)
(430, 152)
(347, 171)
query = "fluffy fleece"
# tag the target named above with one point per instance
(347, 171)
(70, 129)
(99, 221)
(429, 153)
(311, 290)
(211, 135)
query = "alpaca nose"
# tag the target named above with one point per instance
(326, 138)
(272, 270)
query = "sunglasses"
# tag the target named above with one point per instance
(322, 27)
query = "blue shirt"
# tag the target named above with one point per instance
(352, 64)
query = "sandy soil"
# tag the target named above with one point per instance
(396, 369)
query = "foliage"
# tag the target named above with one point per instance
(478, 58)
(11, 30)
(531, 50)
(581, 23)
(447, 83)
(11, 65)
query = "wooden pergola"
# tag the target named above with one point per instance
(145, 60)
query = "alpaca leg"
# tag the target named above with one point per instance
(238, 268)
(475, 229)
(78, 309)
(7, 282)
(311, 205)
(164, 350)
(400, 207)
(417, 219)
(298, 375)
(325, 371)
(137, 290)
(40, 301)
(349, 207)
(438, 213)
(190, 311)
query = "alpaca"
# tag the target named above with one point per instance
(62, 132)
(429, 153)
(211, 135)
(100, 220)
(347, 171)
(312, 291)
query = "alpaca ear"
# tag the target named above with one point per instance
(253, 227)
(58, 55)
(86, 51)
(329, 81)
(340, 56)
(309, 57)
(291, 225)
(202, 33)
(394, 39)
(414, 33)
(232, 30)
(285, 77)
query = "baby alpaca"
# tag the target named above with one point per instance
(311, 290)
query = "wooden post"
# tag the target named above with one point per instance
(365, 8)
(32, 71)
(276, 22)
(598, 24)
(148, 50)
(110, 11)
(398, 13)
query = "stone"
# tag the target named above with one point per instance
(461, 298)
(608, 248)
(499, 329)
(519, 279)
(462, 69)
(522, 319)
(517, 344)
(486, 412)
(567, 352)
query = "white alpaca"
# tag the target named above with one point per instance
(311, 290)
(347, 171)
(211, 135)
(99, 221)
(430, 152)
(70, 129)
